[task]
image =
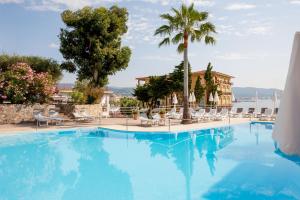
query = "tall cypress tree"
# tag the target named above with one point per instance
(199, 90)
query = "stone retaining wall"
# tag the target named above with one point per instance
(17, 113)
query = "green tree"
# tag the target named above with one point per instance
(199, 90)
(157, 88)
(38, 64)
(186, 24)
(210, 85)
(91, 43)
(177, 77)
(91, 94)
(127, 104)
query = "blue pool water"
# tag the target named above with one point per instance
(237, 162)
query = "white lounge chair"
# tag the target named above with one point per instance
(41, 118)
(222, 115)
(80, 117)
(159, 120)
(174, 115)
(199, 115)
(54, 116)
(210, 115)
(148, 122)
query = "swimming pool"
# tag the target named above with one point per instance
(236, 162)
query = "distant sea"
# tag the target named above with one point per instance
(262, 103)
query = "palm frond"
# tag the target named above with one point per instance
(180, 48)
(209, 40)
(165, 41)
(163, 30)
(207, 28)
(177, 38)
(167, 17)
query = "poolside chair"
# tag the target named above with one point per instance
(80, 117)
(210, 116)
(267, 116)
(250, 113)
(159, 120)
(145, 121)
(198, 115)
(174, 115)
(221, 115)
(238, 113)
(262, 112)
(87, 115)
(41, 118)
(54, 117)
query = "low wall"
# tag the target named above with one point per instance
(18, 113)
(68, 109)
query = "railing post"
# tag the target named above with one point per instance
(169, 124)
(126, 122)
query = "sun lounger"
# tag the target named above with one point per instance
(210, 116)
(262, 112)
(174, 115)
(222, 115)
(267, 116)
(148, 122)
(238, 113)
(250, 113)
(80, 117)
(159, 120)
(54, 116)
(198, 115)
(41, 118)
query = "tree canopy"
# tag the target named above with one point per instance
(38, 64)
(91, 43)
(176, 77)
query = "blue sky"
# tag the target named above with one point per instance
(253, 42)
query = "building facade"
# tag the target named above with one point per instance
(224, 82)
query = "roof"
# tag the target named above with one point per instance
(196, 72)
(214, 72)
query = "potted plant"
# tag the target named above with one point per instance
(162, 113)
(135, 114)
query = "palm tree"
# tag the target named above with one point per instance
(184, 24)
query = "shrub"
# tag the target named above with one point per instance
(20, 84)
(78, 97)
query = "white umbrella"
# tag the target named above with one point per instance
(175, 100)
(275, 99)
(232, 97)
(216, 98)
(191, 98)
(211, 98)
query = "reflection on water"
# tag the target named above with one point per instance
(218, 163)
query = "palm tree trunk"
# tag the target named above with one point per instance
(186, 115)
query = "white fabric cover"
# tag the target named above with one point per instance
(287, 127)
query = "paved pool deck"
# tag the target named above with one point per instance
(119, 124)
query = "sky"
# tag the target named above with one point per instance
(254, 38)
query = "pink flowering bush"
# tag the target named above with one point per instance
(20, 84)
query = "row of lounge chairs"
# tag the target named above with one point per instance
(265, 114)
(53, 117)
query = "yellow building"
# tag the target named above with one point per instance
(223, 80)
